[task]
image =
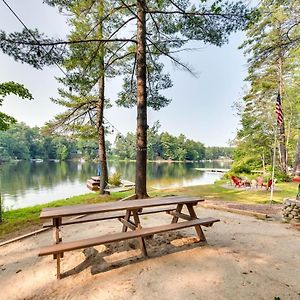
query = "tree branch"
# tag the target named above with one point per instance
(171, 57)
(195, 13)
(42, 44)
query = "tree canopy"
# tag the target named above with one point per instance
(162, 28)
(6, 89)
(273, 72)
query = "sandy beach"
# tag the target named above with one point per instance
(245, 258)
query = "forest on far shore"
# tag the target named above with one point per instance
(21, 142)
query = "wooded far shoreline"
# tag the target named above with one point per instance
(20, 142)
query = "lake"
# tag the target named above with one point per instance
(28, 183)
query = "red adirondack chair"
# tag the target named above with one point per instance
(269, 184)
(236, 182)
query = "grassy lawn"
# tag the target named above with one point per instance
(218, 192)
(19, 221)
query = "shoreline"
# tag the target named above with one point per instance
(19, 221)
(38, 160)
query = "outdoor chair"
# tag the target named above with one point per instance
(236, 182)
(263, 184)
(269, 184)
(253, 184)
(245, 182)
(260, 182)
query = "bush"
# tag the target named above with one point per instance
(282, 177)
(278, 175)
(238, 169)
(246, 165)
(115, 179)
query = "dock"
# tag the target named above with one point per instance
(94, 182)
(213, 170)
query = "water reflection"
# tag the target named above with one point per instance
(28, 183)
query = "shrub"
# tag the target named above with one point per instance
(238, 169)
(115, 179)
(244, 165)
(281, 176)
(278, 175)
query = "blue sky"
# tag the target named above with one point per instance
(201, 106)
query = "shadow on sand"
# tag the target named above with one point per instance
(123, 253)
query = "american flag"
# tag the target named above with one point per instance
(278, 110)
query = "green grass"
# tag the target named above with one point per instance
(19, 221)
(216, 191)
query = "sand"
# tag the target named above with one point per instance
(245, 258)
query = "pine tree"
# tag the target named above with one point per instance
(272, 65)
(162, 28)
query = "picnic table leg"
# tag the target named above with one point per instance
(57, 239)
(138, 225)
(126, 218)
(178, 210)
(197, 227)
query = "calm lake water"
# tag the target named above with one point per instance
(28, 183)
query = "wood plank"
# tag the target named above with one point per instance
(126, 218)
(197, 227)
(56, 234)
(178, 210)
(65, 211)
(127, 223)
(151, 210)
(108, 216)
(119, 189)
(23, 236)
(180, 215)
(139, 227)
(115, 237)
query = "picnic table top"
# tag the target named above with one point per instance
(65, 211)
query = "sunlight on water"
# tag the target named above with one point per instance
(41, 195)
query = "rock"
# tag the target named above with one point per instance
(295, 221)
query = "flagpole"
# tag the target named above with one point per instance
(273, 167)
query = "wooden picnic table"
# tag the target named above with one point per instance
(127, 212)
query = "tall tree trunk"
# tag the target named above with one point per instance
(100, 109)
(101, 138)
(282, 137)
(263, 162)
(297, 158)
(141, 128)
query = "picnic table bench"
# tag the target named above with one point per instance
(127, 212)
